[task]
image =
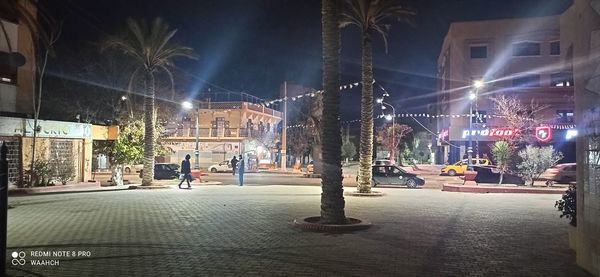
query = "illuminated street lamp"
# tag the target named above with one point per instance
(187, 105)
(391, 117)
(477, 84)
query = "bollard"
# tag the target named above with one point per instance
(3, 206)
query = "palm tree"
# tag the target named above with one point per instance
(152, 51)
(372, 17)
(332, 197)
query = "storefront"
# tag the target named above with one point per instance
(65, 146)
(453, 142)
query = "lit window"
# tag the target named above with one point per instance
(562, 79)
(479, 117)
(526, 49)
(565, 116)
(527, 81)
(555, 48)
(478, 52)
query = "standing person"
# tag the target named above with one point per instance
(186, 171)
(234, 163)
(241, 170)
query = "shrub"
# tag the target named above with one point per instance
(568, 205)
(41, 174)
(502, 151)
(535, 160)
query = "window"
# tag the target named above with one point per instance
(561, 79)
(528, 81)
(8, 74)
(522, 49)
(478, 51)
(565, 116)
(555, 48)
(479, 117)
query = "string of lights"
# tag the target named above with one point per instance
(311, 93)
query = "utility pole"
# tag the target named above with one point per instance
(3, 206)
(284, 129)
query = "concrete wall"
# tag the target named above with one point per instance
(580, 38)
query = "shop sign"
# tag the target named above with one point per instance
(491, 132)
(10, 126)
(543, 133)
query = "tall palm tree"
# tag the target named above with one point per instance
(152, 50)
(332, 196)
(372, 17)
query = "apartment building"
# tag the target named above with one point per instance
(514, 57)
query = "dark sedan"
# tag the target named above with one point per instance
(393, 175)
(164, 171)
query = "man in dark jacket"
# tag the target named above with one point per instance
(186, 171)
(234, 163)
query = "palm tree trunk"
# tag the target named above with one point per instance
(332, 196)
(366, 116)
(148, 175)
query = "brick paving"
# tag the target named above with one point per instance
(233, 231)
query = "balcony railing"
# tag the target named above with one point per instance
(212, 133)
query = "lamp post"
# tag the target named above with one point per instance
(187, 105)
(391, 117)
(472, 97)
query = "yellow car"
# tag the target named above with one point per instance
(461, 166)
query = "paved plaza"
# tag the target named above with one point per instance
(231, 231)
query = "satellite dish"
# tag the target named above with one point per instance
(14, 59)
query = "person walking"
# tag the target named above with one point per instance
(234, 163)
(241, 170)
(186, 170)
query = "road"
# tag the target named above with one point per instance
(432, 181)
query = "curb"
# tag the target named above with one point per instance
(25, 192)
(498, 189)
(311, 224)
(363, 194)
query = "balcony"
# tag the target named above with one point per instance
(211, 133)
(240, 105)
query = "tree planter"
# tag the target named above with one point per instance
(470, 178)
(572, 237)
(313, 224)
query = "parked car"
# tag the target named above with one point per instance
(164, 171)
(129, 168)
(382, 162)
(393, 175)
(490, 174)
(460, 167)
(561, 173)
(224, 166)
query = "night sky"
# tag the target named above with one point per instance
(254, 45)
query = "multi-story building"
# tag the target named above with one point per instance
(514, 57)
(17, 63)
(225, 129)
(580, 39)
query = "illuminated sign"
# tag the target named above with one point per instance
(493, 132)
(543, 133)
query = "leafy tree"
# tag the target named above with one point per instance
(332, 195)
(502, 151)
(535, 160)
(298, 141)
(348, 150)
(152, 50)
(391, 136)
(371, 17)
(518, 116)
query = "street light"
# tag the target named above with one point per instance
(391, 117)
(187, 105)
(477, 84)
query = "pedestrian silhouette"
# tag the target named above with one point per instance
(186, 171)
(241, 170)
(234, 163)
